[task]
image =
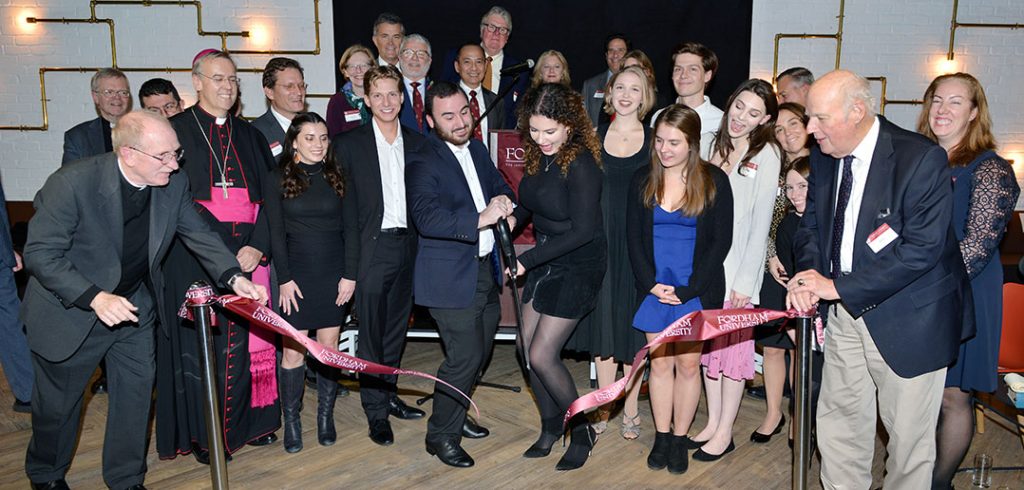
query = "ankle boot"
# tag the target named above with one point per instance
(677, 457)
(583, 439)
(327, 391)
(550, 431)
(658, 458)
(291, 382)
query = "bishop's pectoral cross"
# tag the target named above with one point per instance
(224, 184)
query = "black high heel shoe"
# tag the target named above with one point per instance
(759, 438)
(550, 431)
(583, 439)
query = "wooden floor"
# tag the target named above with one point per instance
(355, 462)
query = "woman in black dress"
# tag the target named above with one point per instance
(303, 204)
(561, 189)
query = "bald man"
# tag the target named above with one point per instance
(877, 254)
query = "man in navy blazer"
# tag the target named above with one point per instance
(416, 56)
(876, 248)
(455, 196)
(113, 99)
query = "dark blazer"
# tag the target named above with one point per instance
(714, 237)
(511, 98)
(441, 205)
(497, 118)
(6, 244)
(84, 140)
(363, 204)
(75, 241)
(267, 125)
(595, 105)
(408, 115)
(912, 293)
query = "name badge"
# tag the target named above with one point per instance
(276, 148)
(599, 94)
(748, 169)
(353, 116)
(881, 237)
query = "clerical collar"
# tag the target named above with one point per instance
(199, 111)
(120, 168)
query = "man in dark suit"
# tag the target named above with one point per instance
(388, 32)
(875, 246)
(285, 87)
(14, 354)
(470, 64)
(100, 230)
(455, 197)
(379, 244)
(615, 48)
(113, 99)
(416, 57)
(495, 29)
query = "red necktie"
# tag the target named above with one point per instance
(417, 104)
(474, 109)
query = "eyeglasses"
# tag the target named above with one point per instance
(168, 107)
(358, 68)
(493, 29)
(165, 157)
(219, 79)
(108, 93)
(419, 53)
(293, 86)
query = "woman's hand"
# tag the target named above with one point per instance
(520, 270)
(288, 294)
(738, 300)
(777, 271)
(346, 288)
(666, 294)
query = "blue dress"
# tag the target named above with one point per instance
(984, 194)
(674, 239)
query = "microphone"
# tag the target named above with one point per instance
(521, 67)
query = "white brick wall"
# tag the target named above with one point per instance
(905, 42)
(156, 36)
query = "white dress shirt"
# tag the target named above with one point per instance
(283, 121)
(710, 116)
(860, 167)
(392, 178)
(486, 241)
(483, 107)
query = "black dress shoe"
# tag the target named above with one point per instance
(380, 432)
(700, 455)
(450, 453)
(203, 456)
(138, 486)
(265, 440)
(472, 430)
(21, 407)
(756, 392)
(398, 409)
(51, 485)
(759, 438)
(100, 386)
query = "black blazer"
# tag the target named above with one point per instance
(714, 237)
(84, 140)
(363, 204)
(912, 294)
(496, 119)
(271, 129)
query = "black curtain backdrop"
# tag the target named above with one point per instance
(577, 28)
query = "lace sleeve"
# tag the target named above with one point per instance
(992, 201)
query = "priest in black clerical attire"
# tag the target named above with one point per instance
(227, 159)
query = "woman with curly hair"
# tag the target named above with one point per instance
(303, 203)
(561, 190)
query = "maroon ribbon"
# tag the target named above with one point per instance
(693, 327)
(265, 318)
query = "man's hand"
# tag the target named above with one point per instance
(248, 258)
(346, 288)
(113, 309)
(666, 294)
(807, 288)
(499, 207)
(246, 289)
(17, 262)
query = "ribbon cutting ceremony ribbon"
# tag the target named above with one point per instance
(693, 327)
(265, 318)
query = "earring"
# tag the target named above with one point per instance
(296, 158)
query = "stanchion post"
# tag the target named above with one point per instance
(802, 449)
(201, 314)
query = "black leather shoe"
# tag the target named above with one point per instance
(203, 456)
(136, 487)
(756, 392)
(759, 438)
(22, 407)
(472, 430)
(450, 453)
(265, 440)
(398, 409)
(100, 386)
(380, 432)
(700, 455)
(51, 485)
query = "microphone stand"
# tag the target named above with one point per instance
(499, 98)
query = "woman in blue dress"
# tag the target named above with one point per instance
(679, 230)
(955, 115)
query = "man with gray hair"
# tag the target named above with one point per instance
(416, 57)
(113, 99)
(388, 32)
(792, 85)
(878, 257)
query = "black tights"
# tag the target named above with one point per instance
(543, 338)
(953, 436)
